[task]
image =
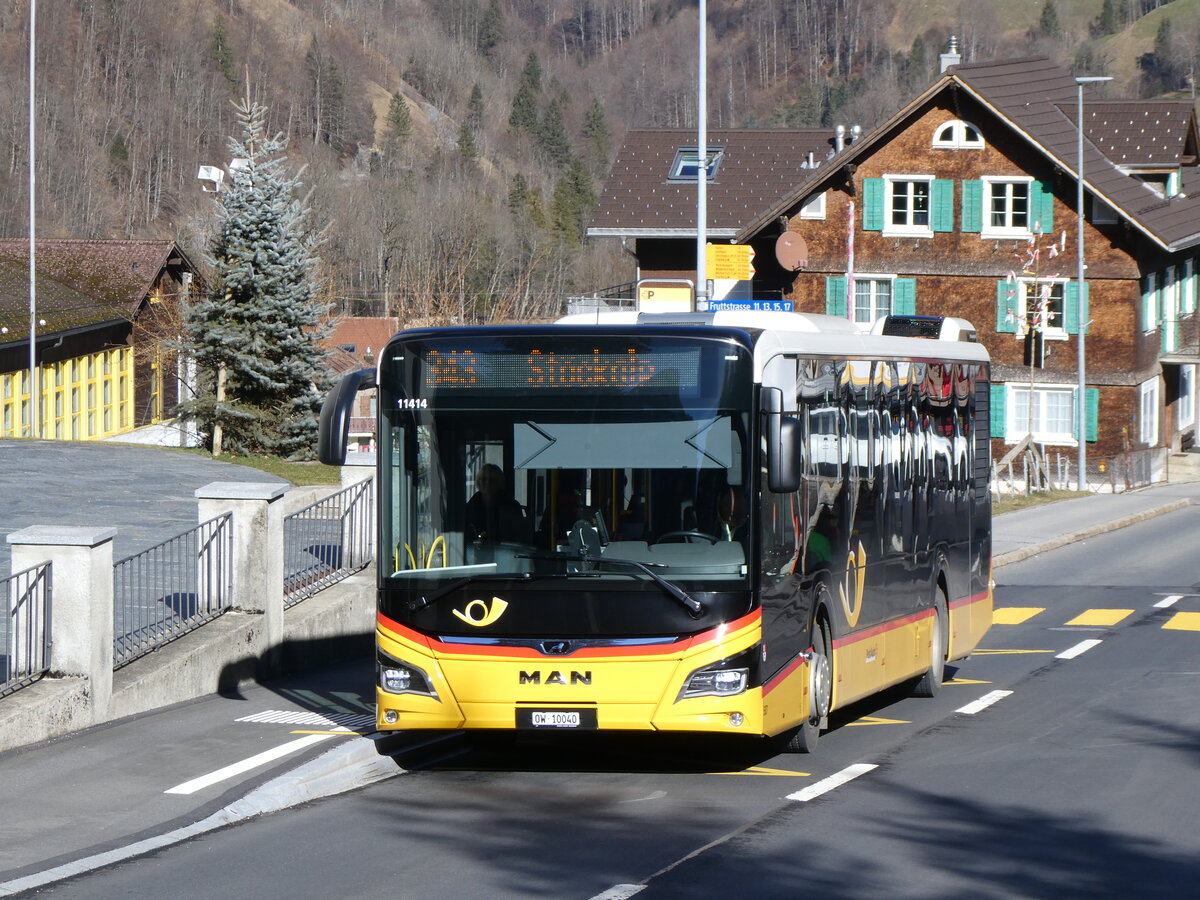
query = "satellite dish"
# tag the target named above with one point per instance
(791, 251)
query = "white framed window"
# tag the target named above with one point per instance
(813, 207)
(1148, 413)
(907, 200)
(872, 298)
(1007, 207)
(1150, 302)
(686, 165)
(958, 135)
(1187, 396)
(1041, 304)
(1187, 289)
(1051, 419)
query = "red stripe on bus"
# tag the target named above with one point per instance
(967, 601)
(712, 636)
(782, 674)
(881, 629)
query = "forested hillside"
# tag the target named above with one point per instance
(453, 148)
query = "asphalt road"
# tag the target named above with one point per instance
(1077, 779)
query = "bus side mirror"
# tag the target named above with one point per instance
(783, 444)
(334, 429)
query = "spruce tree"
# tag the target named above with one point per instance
(1049, 24)
(573, 201)
(524, 115)
(598, 136)
(554, 144)
(491, 30)
(398, 122)
(255, 336)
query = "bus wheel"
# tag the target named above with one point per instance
(820, 691)
(930, 684)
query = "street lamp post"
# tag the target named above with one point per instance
(1080, 311)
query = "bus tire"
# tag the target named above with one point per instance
(930, 684)
(820, 685)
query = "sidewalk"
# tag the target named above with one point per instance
(1038, 529)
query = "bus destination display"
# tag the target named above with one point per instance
(542, 370)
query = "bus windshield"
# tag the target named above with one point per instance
(619, 458)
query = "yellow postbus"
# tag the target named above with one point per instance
(730, 522)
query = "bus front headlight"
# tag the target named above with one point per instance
(399, 677)
(725, 678)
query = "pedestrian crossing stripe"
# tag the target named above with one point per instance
(353, 721)
(1184, 621)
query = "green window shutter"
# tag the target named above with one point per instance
(1071, 307)
(1006, 302)
(873, 203)
(999, 415)
(835, 295)
(904, 297)
(942, 218)
(972, 206)
(1091, 399)
(1041, 203)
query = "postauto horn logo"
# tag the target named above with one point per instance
(479, 614)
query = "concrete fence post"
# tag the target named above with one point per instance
(81, 625)
(257, 548)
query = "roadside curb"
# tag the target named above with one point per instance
(1015, 556)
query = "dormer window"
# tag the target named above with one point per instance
(958, 135)
(687, 163)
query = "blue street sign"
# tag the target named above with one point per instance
(765, 305)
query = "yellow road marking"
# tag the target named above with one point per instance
(343, 733)
(1184, 621)
(964, 681)
(764, 770)
(1101, 617)
(980, 652)
(1015, 615)
(877, 720)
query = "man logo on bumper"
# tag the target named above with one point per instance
(556, 677)
(479, 614)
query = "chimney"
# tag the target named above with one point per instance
(839, 138)
(951, 57)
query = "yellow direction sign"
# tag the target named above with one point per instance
(732, 262)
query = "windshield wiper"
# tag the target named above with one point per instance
(691, 604)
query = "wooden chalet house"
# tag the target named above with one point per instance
(108, 314)
(963, 203)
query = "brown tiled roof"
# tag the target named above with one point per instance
(1141, 133)
(1035, 97)
(757, 168)
(366, 334)
(79, 282)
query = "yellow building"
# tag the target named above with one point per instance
(108, 314)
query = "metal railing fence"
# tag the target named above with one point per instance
(328, 541)
(27, 607)
(172, 588)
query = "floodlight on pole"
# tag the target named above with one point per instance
(1080, 305)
